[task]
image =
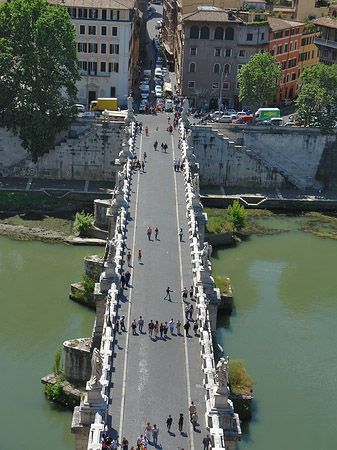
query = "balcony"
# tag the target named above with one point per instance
(325, 42)
(85, 73)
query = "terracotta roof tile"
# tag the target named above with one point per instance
(277, 24)
(325, 21)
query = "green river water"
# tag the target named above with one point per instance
(36, 317)
(284, 328)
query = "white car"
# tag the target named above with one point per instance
(230, 111)
(158, 72)
(225, 119)
(158, 91)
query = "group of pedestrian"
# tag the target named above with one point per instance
(137, 164)
(178, 165)
(161, 329)
(164, 147)
(149, 233)
(139, 127)
(125, 277)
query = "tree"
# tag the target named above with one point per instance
(38, 72)
(237, 216)
(259, 80)
(317, 100)
(83, 222)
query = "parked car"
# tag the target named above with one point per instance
(158, 91)
(290, 124)
(247, 119)
(225, 119)
(160, 104)
(158, 72)
(230, 111)
(143, 104)
(169, 105)
(277, 121)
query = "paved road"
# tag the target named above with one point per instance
(156, 377)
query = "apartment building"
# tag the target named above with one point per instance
(285, 44)
(213, 45)
(107, 37)
(326, 40)
(309, 51)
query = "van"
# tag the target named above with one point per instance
(277, 121)
(104, 103)
(247, 119)
(266, 114)
(169, 105)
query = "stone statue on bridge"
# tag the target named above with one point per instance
(96, 369)
(221, 377)
(206, 254)
(195, 183)
(186, 106)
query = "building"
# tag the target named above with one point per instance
(326, 40)
(107, 37)
(299, 9)
(308, 52)
(285, 44)
(214, 44)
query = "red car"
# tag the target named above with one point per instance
(160, 105)
(248, 120)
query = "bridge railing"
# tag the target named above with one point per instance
(110, 315)
(193, 214)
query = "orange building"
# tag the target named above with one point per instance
(285, 44)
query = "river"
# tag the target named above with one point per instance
(284, 328)
(36, 317)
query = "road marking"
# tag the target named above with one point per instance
(129, 307)
(86, 185)
(187, 367)
(29, 183)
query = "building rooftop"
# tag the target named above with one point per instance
(211, 14)
(97, 4)
(277, 24)
(325, 22)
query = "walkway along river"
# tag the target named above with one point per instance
(36, 317)
(284, 327)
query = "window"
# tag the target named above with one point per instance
(284, 79)
(285, 48)
(103, 48)
(114, 49)
(249, 36)
(92, 69)
(83, 12)
(291, 46)
(190, 84)
(191, 67)
(72, 12)
(82, 65)
(103, 14)
(193, 51)
(92, 48)
(279, 49)
(287, 77)
(325, 53)
(312, 54)
(298, 73)
(114, 31)
(284, 65)
(82, 29)
(286, 33)
(295, 45)
(239, 67)
(218, 34)
(225, 85)
(112, 91)
(92, 29)
(262, 36)
(204, 33)
(292, 32)
(297, 30)
(229, 34)
(293, 76)
(194, 32)
(215, 85)
(289, 63)
(103, 31)
(216, 68)
(217, 52)
(227, 68)
(293, 62)
(228, 52)
(103, 66)
(93, 13)
(113, 67)
(82, 47)
(242, 53)
(114, 14)
(272, 52)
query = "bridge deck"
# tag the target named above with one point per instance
(153, 378)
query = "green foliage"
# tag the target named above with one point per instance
(58, 365)
(259, 80)
(223, 283)
(240, 382)
(83, 222)
(217, 221)
(88, 282)
(38, 71)
(55, 393)
(18, 201)
(317, 100)
(237, 216)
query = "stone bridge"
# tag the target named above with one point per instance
(138, 378)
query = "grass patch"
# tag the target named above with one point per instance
(217, 221)
(223, 283)
(240, 382)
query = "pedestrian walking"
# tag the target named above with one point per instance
(168, 294)
(181, 422)
(191, 292)
(165, 147)
(155, 434)
(192, 410)
(146, 131)
(151, 326)
(178, 325)
(207, 442)
(195, 328)
(175, 165)
(134, 326)
(156, 232)
(184, 292)
(114, 444)
(168, 120)
(149, 232)
(169, 422)
(181, 234)
(171, 325)
(122, 323)
(139, 256)
(194, 420)
(148, 431)
(139, 440)
(143, 166)
(140, 324)
(125, 444)
(117, 326)
(170, 128)
(145, 155)
(166, 327)
(191, 311)
(144, 443)
(128, 258)
(123, 280)
(155, 145)
(187, 327)
(162, 146)
(161, 330)
(156, 329)
(127, 277)
(187, 310)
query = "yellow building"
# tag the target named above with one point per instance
(308, 51)
(189, 6)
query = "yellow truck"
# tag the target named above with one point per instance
(104, 103)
